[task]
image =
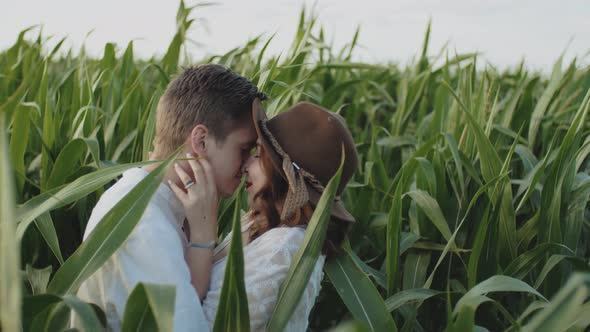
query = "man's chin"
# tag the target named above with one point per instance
(228, 193)
(225, 195)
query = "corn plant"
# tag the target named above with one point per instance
(470, 200)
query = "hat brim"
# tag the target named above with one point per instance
(338, 210)
(259, 115)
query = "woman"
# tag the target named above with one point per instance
(297, 153)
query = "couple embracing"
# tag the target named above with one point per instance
(217, 117)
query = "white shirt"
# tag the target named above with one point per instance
(153, 253)
(266, 262)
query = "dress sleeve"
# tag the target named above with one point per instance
(154, 254)
(266, 265)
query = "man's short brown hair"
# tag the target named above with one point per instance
(211, 95)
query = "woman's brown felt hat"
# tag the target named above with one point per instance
(312, 137)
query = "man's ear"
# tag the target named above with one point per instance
(198, 140)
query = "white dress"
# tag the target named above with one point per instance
(266, 262)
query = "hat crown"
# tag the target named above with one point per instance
(313, 137)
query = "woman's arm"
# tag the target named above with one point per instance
(200, 201)
(220, 253)
(199, 262)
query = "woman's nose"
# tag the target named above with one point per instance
(247, 165)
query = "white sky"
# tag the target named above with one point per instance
(503, 31)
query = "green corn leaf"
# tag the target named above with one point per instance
(45, 225)
(554, 260)
(565, 310)
(543, 103)
(393, 244)
(464, 311)
(19, 140)
(61, 196)
(10, 280)
(491, 166)
(359, 294)
(84, 311)
(232, 312)
(524, 263)
(431, 208)
(409, 296)
(150, 307)
(34, 305)
(551, 197)
(306, 257)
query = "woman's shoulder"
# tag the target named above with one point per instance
(286, 233)
(279, 239)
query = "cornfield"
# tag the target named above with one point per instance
(471, 197)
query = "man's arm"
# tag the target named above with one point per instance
(154, 254)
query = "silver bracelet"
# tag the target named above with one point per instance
(204, 246)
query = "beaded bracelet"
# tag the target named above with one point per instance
(204, 246)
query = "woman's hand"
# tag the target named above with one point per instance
(200, 200)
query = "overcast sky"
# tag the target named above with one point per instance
(503, 31)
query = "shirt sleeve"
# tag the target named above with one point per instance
(266, 265)
(154, 254)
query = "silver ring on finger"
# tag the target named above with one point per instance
(189, 184)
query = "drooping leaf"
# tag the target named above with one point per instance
(150, 307)
(112, 230)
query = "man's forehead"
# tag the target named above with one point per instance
(245, 135)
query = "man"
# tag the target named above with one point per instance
(207, 110)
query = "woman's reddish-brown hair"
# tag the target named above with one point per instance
(267, 216)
